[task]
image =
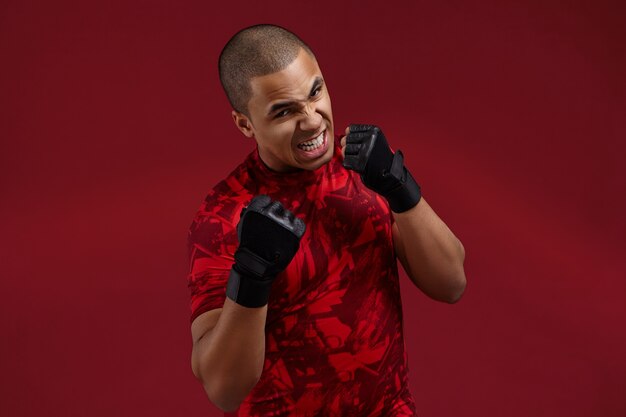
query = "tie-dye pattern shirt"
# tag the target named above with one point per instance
(334, 335)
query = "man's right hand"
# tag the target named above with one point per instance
(269, 237)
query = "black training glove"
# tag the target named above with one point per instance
(367, 152)
(269, 237)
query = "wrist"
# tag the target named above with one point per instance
(405, 196)
(247, 290)
(250, 279)
(407, 193)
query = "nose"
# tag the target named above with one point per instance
(311, 120)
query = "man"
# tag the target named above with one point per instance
(295, 300)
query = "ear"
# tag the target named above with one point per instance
(243, 123)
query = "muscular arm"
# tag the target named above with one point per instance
(430, 253)
(229, 346)
(228, 352)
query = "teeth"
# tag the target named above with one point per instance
(313, 143)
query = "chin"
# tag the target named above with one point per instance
(324, 159)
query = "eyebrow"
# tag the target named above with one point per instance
(281, 105)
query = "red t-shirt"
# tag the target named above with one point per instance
(334, 335)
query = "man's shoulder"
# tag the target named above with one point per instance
(225, 199)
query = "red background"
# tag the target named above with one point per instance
(511, 116)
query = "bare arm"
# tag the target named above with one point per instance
(430, 253)
(229, 346)
(228, 352)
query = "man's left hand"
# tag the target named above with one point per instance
(367, 152)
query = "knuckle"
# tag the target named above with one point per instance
(276, 207)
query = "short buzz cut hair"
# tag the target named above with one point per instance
(252, 52)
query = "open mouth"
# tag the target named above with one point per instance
(314, 143)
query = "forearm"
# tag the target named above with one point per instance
(231, 358)
(434, 256)
(431, 254)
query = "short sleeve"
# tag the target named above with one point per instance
(211, 246)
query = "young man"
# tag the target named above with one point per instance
(296, 309)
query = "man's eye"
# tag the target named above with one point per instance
(316, 92)
(282, 113)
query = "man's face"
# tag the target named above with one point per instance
(290, 117)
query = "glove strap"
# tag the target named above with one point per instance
(408, 192)
(247, 284)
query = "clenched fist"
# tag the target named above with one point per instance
(368, 153)
(269, 237)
